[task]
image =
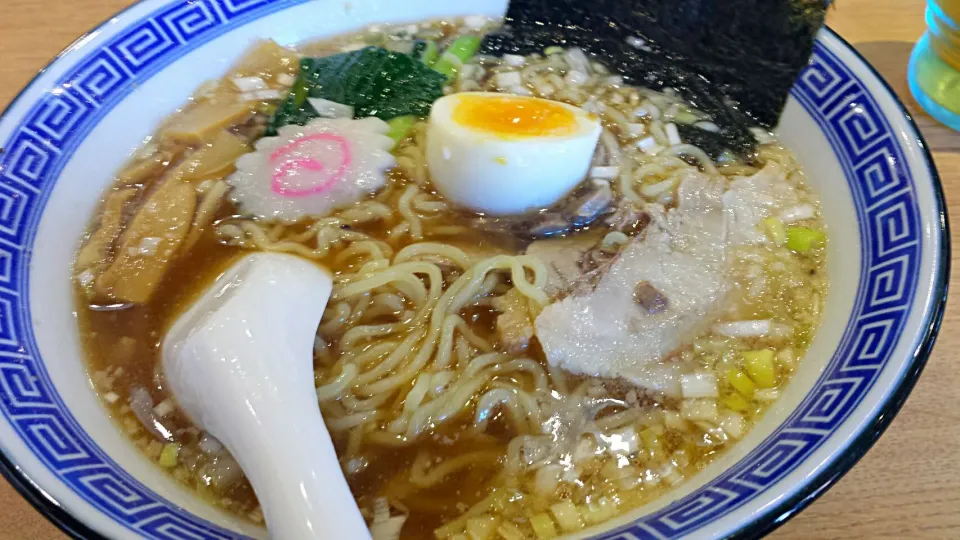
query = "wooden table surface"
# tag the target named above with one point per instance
(908, 486)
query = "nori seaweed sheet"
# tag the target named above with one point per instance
(733, 59)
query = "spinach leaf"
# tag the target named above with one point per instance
(373, 80)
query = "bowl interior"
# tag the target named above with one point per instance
(81, 120)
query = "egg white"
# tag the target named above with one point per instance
(506, 174)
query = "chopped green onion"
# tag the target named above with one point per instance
(543, 526)
(651, 438)
(266, 108)
(509, 531)
(698, 385)
(169, 455)
(458, 53)
(699, 409)
(761, 368)
(400, 126)
(673, 420)
(567, 515)
(736, 402)
(599, 511)
(299, 92)
(803, 239)
(426, 51)
(685, 117)
(775, 230)
(733, 424)
(482, 528)
(741, 383)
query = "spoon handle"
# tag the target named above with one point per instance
(240, 365)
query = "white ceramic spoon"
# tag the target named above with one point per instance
(239, 363)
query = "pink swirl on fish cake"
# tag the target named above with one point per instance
(283, 172)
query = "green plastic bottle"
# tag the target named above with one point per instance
(934, 71)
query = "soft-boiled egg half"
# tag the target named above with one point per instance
(504, 154)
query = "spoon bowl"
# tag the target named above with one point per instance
(239, 362)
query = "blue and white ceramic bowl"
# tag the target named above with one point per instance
(78, 121)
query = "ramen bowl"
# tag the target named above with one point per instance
(82, 117)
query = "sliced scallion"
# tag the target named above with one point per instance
(400, 126)
(426, 51)
(804, 239)
(740, 382)
(169, 455)
(776, 231)
(458, 53)
(543, 526)
(736, 402)
(760, 367)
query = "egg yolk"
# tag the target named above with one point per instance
(510, 116)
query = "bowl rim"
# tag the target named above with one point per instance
(40, 500)
(850, 452)
(857, 448)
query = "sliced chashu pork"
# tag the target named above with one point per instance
(667, 286)
(750, 199)
(514, 324)
(576, 262)
(562, 257)
(608, 333)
